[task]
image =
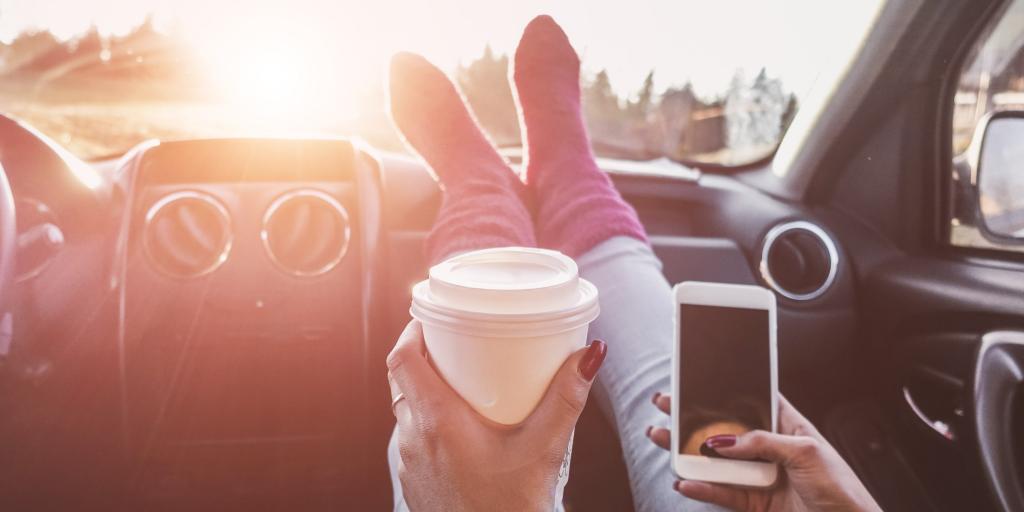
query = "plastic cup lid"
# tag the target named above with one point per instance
(505, 292)
(507, 280)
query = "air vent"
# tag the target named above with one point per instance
(306, 232)
(187, 234)
(799, 260)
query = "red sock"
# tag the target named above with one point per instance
(577, 206)
(482, 205)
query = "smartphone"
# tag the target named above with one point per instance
(724, 379)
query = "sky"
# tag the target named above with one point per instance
(701, 41)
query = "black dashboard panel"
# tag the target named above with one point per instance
(246, 366)
(232, 370)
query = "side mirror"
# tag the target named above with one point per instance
(998, 154)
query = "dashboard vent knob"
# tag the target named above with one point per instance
(799, 260)
(306, 232)
(187, 234)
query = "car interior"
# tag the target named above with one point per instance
(203, 323)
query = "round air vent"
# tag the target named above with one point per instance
(799, 260)
(187, 234)
(306, 232)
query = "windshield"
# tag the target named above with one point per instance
(709, 81)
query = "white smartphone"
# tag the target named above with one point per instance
(724, 379)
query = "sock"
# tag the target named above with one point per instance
(483, 197)
(577, 205)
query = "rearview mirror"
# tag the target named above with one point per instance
(1000, 176)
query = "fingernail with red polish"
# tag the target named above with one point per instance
(648, 433)
(720, 441)
(592, 360)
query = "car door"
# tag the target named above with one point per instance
(881, 317)
(898, 338)
(934, 421)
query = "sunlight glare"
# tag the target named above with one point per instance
(278, 71)
(271, 79)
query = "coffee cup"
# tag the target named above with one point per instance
(499, 324)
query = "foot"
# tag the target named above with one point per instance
(576, 204)
(434, 120)
(547, 81)
(482, 204)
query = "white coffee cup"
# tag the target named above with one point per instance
(499, 323)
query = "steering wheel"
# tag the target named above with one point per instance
(8, 249)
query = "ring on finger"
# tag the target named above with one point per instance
(394, 401)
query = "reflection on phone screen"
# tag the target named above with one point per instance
(724, 374)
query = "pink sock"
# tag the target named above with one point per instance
(577, 206)
(482, 205)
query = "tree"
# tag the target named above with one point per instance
(639, 108)
(484, 83)
(26, 47)
(674, 112)
(754, 114)
(603, 112)
(600, 102)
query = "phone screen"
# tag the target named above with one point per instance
(724, 374)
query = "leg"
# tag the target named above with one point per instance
(483, 198)
(482, 205)
(577, 206)
(580, 213)
(636, 322)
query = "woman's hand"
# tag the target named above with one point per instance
(814, 477)
(452, 458)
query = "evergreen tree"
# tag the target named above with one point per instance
(26, 47)
(603, 112)
(484, 83)
(599, 100)
(674, 112)
(639, 108)
(754, 114)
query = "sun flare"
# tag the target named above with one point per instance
(273, 79)
(278, 70)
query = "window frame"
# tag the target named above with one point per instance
(998, 248)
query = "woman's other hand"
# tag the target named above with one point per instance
(452, 458)
(814, 476)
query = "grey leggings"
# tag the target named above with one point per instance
(636, 323)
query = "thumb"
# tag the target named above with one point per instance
(785, 449)
(568, 391)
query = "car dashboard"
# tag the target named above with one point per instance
(232, 302)
(242, 275)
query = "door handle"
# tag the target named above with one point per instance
(936, 398)
(939, 426)
(998, 373)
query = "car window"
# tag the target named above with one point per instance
(684, 79)
(987, 181)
